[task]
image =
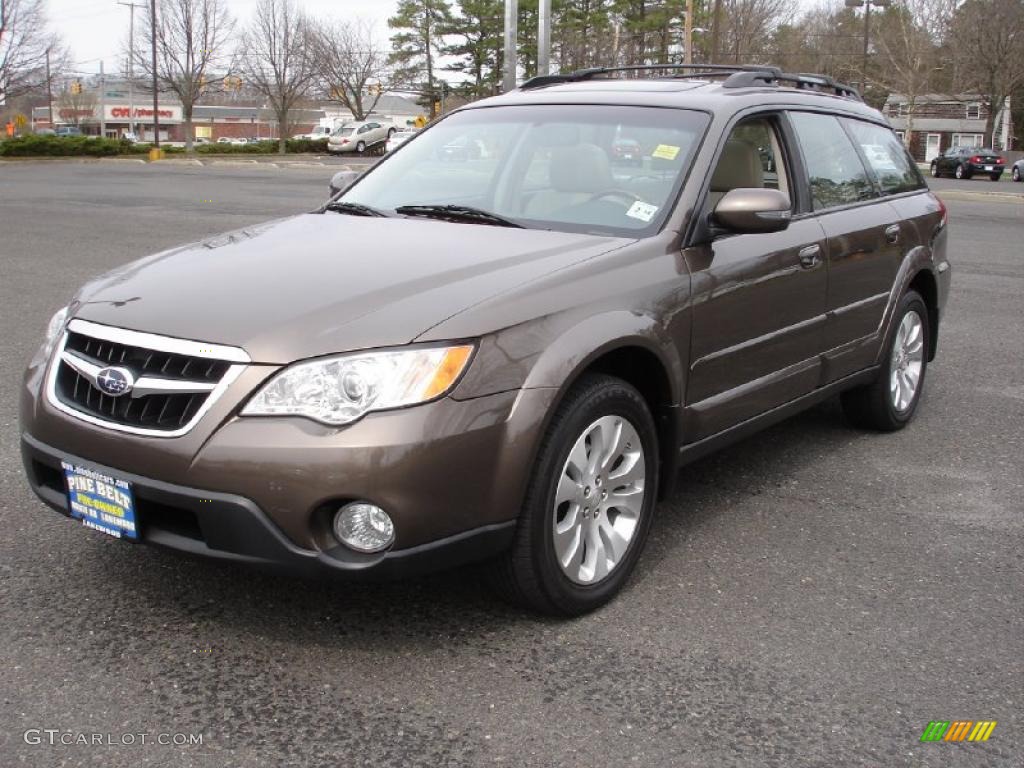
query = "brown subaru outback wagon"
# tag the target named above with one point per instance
(505, 354)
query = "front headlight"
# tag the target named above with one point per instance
(53, 330)
(339, 390)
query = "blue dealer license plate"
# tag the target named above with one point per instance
(100, 501)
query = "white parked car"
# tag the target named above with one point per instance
(397, 139)
(358, 137)
(320, 132)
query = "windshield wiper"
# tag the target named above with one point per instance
(464, 213)
(353, 209)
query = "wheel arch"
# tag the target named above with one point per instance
(639, 353)
(925, 284)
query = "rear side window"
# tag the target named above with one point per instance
(887, 157)
(834, 169)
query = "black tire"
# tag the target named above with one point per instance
(1016, 175)
(529, 574)
(870, 406)
(391, 132)
(361, 147)
(995, 176)
(962, 173)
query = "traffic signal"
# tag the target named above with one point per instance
(76, 88)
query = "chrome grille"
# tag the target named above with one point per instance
(174, 381)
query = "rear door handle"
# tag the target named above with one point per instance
(810, 256)
(892, 234)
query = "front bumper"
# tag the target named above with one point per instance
(228, 527)
(451, 473)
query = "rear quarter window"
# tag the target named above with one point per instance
(892, 166)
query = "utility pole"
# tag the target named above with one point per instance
(156, 96)
(867, 32)
(131, 64)
(688, 29)
(103, 102)
(511, 38)
(49, 92)
(544, 37)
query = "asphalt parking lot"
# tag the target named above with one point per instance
(813, 596)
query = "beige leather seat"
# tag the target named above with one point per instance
(739, 167)
(575, 175)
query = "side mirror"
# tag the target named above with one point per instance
(753, 210)
(342, 180)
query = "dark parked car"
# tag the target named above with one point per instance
(503, 357)
(626, 151)
(1018, 170)
(964, 162)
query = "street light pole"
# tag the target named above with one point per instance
(688, 30)
(131, 63)
(544, 37)
(156, 96)
(511, 37)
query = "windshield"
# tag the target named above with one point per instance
(545, 166)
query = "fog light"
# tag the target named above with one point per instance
(364, 527)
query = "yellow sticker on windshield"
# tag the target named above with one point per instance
(665, 152)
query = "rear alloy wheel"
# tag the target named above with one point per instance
(361, 147)
(889, 402)
(589, 504)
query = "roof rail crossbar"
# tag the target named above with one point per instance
(801, 81)
(587, 74)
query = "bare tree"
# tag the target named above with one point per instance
(988, 50)
(349, 65)
(276, 60)
(76, 107)
(23, 47)
(191, 40)
(747, 27)
(907, 39)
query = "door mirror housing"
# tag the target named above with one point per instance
(753, 210)
(342, 180)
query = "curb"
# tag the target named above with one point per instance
(992, 197)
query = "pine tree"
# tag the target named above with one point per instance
(420, 26)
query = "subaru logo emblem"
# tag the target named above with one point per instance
(115, 381)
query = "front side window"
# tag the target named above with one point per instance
(752, 158)
(835, 172)
(579, 168)
(887, 157)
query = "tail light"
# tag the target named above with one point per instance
(943, 213)
(999, 161)
(977, 159)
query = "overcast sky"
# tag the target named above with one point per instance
(96, 29)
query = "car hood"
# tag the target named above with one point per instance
(323, 283)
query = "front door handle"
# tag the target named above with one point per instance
(810, 256)
(892, 234)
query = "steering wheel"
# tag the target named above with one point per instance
(630, 197)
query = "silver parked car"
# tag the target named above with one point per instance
(358, 137)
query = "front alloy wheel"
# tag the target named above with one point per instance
(599, 499)
(1016, 174)
(589, 502)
